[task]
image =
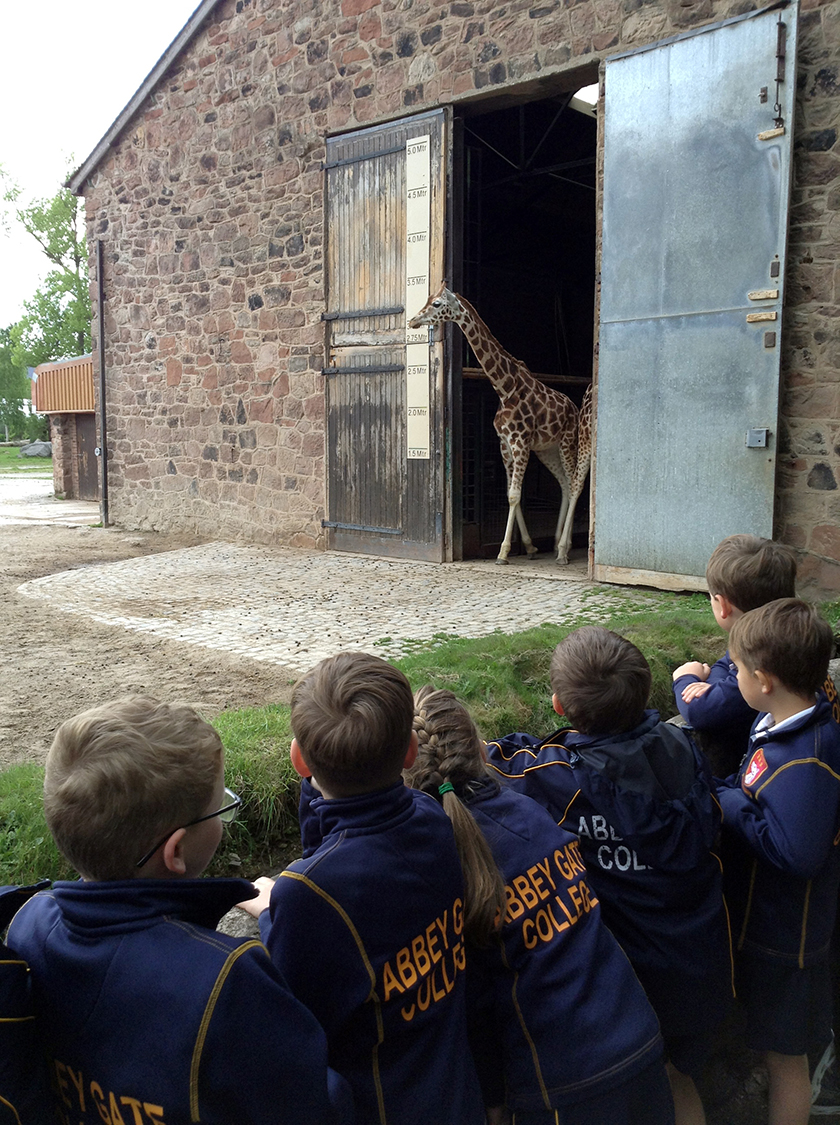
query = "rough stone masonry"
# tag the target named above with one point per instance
(211, 205)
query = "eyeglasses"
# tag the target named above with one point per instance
(226, 814)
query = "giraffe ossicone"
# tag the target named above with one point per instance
(532, 417)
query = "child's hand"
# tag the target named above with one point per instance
(255, 906)
(692, 668)
(694, 690)
(497, 1115)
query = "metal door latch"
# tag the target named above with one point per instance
(757, 439)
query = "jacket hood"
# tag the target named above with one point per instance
(650, 759)
(132, 904)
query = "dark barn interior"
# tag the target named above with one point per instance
(528, 267)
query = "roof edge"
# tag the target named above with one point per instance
(57, 362)
(85, 170)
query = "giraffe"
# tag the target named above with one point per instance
(584, 455)
(531, 417)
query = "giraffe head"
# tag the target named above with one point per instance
(443, 305)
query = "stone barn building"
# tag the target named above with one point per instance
(293, 179)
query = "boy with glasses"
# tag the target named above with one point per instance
(147, 1014)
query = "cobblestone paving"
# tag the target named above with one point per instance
(295, 607)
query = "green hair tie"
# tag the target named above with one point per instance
(447, 787)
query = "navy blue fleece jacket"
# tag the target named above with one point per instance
(641, 804)
(23, 1084)
(721, 712)
(782, 834)
(148, 1015)
(368, 931)
(555, 1006)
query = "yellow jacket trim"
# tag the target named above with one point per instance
(11, 1107)
(795, 762)
(372, 995)
(205, 1022)
(546, 1099)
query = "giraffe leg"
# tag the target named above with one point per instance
(504, 550)
(527, 542)
(564, 541)
(556, 465)
(582, 467)
(515, 459)
(515, 513)
(561, 518)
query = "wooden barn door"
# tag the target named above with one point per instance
(387, 451)
(697, 170)
(88, 465)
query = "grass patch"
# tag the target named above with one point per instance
(831, 612)
(27, 851)
(12, 462)
(503, 679)
(257, 766)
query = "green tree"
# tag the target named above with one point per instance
(14, 390)
(56, 321)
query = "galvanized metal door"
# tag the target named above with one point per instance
(697, 166)
(387, 489)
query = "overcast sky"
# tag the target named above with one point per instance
(69, 67)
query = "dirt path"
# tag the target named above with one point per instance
(55, 665)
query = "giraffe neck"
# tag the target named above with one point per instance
(504, 371)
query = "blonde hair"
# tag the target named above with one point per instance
(351, 716)
(450, 751)
(120, 775)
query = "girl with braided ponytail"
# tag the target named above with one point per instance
(449, 765)
(560, 1028)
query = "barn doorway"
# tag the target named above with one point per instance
(527, 264)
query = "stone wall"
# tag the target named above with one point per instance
(65, 455)
(211, 209)
(808, 501)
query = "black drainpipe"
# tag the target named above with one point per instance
(103, 435)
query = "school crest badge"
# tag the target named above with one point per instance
(757, 766)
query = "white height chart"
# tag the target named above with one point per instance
(417, 184)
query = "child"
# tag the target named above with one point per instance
(368, 929)
(743, 572)
(147, 1013)
(637, 793)
(23, 1086)
(782, 820)
(561, 1029)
